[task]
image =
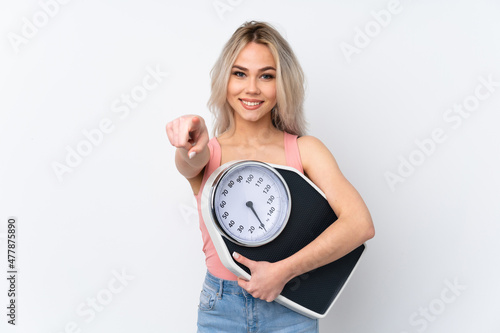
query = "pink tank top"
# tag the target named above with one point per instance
(214, 265)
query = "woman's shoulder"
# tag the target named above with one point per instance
(313, 151)
(307, 142)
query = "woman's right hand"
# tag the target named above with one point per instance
(188, 132)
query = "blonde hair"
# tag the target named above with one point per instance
(288, 113)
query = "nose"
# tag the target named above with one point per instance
(252, 86)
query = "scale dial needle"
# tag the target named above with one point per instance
(250, 205)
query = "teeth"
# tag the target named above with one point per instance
(250, 103)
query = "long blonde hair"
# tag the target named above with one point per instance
(288, 113)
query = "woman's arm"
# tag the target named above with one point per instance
(353, 227)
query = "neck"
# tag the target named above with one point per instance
(251, 133)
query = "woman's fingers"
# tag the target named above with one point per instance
(188, 132)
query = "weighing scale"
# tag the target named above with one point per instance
(268, 212)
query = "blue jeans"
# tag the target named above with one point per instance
(226, 307)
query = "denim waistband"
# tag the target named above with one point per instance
(221, 286)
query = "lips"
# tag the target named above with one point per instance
(251, 104)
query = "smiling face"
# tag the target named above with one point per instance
(251, 90)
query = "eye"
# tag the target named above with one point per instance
(239, 74)
(267, 76)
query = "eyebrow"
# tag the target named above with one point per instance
(261, 70)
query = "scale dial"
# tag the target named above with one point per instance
(251, 203)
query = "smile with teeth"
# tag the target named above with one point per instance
(251, 103)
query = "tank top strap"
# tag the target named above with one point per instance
(215, 156)
(292, 153)
(213, 163)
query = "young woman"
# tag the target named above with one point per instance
(257, 98)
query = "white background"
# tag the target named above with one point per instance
(124, 207)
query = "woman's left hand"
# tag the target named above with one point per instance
(268, 279)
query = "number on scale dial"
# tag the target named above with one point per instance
(251, 203)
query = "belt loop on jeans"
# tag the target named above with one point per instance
(221, 289)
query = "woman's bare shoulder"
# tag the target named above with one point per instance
(312, 149)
